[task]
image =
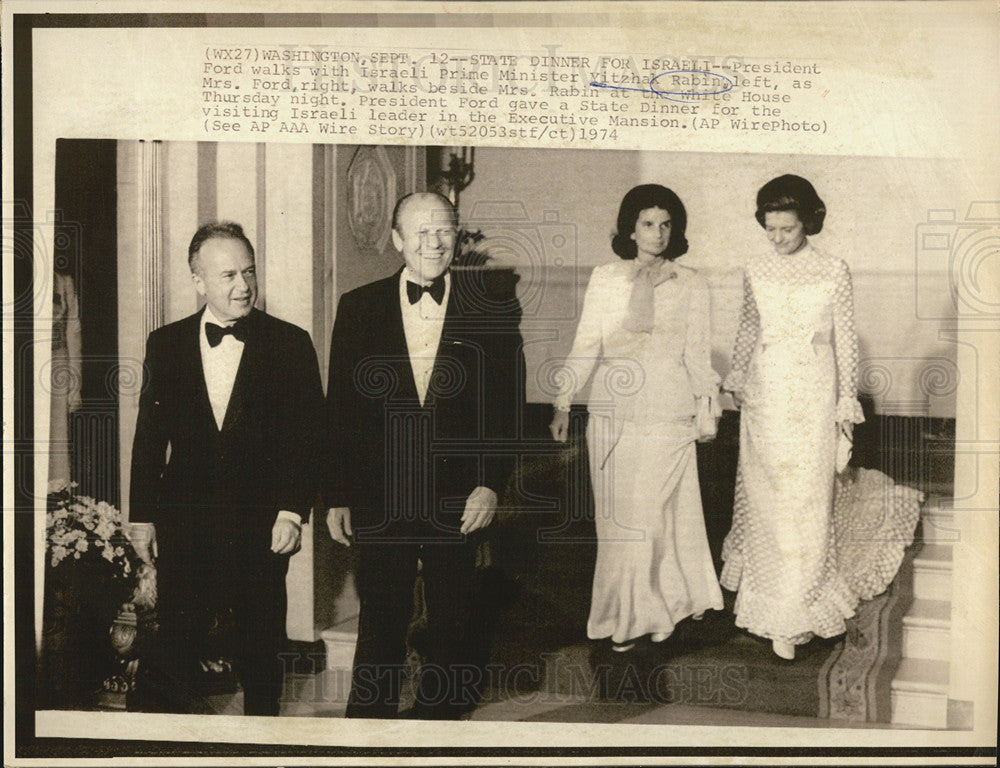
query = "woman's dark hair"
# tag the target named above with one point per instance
(792, 193)
(637, 200)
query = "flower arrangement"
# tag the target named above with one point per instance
(88, 547)
(98, 594)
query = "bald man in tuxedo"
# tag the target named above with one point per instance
(224, 465)
(424, 401)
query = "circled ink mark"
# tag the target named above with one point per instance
(670, 95)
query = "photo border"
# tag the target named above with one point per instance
(27, 745)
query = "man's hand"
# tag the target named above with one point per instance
(560, 426)
(286, 536)
(338, 520)
(480, 508)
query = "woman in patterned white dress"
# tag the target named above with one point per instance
(644, 335)
(794, 376)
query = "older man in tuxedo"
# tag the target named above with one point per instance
(224, 465)
(424, 402)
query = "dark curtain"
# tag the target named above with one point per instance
(85, 246)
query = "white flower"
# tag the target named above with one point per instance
(105, 510)
(105, 529)
(58, 485)
(80, 524)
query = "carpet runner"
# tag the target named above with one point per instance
(541, 657)
(710, 663)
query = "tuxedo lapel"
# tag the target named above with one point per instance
(451, 351)
(190, 350)
(248, 373)
(396, 351)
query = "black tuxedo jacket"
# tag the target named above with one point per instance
(393, 460)
(229, 484)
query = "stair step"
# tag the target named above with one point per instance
(938, 528)
(923, 675)
(938, 503)
(937, 520)
(932, 573)
(927, 630)
(340, 641)
(920, 693)
(934, 556)
(921, 710)
(934, 614)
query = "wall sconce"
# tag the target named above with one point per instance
(450, 170)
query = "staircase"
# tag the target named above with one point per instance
(919, 694)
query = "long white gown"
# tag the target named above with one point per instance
(654, 567)
(795, 362)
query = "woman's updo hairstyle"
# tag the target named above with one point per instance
(637, 200)
(792, 193)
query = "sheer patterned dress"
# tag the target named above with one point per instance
(795, 363)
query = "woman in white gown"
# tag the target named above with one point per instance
(644, 335)
(794, 375)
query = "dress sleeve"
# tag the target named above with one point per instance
(846, 346)
(746, 339)
(698, 342)
(587, 346)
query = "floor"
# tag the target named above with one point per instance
(552, 561)
(325, 695)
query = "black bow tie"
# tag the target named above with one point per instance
(214, 332)
(436, 289)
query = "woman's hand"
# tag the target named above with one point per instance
(845, 449)
(737, 399)
(560, 426)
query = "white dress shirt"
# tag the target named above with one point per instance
(221, 364)
(422, 324)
